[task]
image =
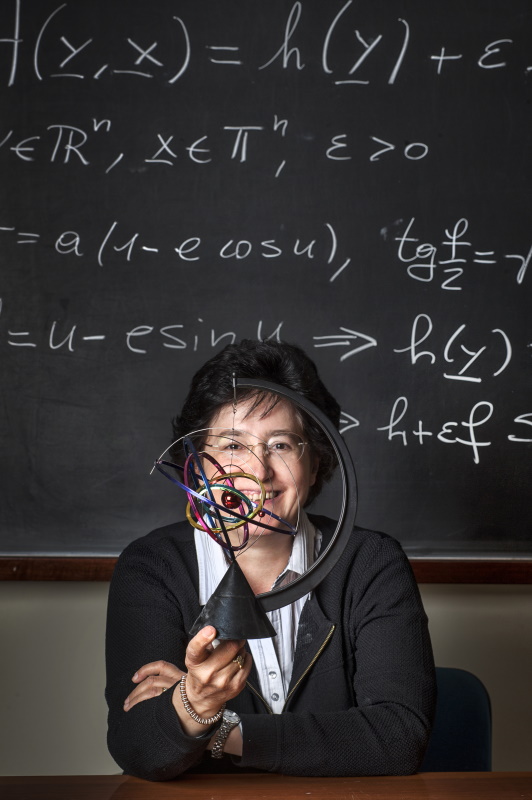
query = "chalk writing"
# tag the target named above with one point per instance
(192, 248)
(455, 349)
(448, 260)
(347, 422)
(466, 432)
(348, 176)
(64, 143)
(169, 58)
(140, 339)
(346, 339)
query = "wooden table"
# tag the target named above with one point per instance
(425, 786)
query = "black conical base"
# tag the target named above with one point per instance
(234, 610)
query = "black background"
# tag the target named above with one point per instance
(82, 421)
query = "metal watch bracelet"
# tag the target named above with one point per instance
(229, 721)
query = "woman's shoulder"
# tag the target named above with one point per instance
(372, 567)
(365, 553)
(361, 539)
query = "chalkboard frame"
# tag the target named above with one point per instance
(426, 570)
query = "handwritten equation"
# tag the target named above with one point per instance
(238, 143)
(460, 361)
(466, 432)
(445, 263)
(349, 176)
(323, 249)
(141, 340)
(56, 53)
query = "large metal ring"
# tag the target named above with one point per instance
(282, 596)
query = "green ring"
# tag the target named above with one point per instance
(231, 489)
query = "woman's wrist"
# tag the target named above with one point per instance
(204, 710)
(197, 713)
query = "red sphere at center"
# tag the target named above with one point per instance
(230, 500)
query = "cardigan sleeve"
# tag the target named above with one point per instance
(144, 624)
(386, 729)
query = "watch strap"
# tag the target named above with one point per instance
(224, 730)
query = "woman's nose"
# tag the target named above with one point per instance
(261, 464)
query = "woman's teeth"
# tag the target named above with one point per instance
(255, 496)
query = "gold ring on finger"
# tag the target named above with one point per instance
(239, 659)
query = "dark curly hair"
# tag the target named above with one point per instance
(278, 362)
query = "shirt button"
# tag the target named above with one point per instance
(275, 696)
(272, 674)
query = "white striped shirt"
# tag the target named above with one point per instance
(274, 658)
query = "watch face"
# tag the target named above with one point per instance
(231, 717)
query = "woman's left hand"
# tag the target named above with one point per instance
(155, 678)
(152, 679)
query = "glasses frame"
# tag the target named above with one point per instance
(267, 453)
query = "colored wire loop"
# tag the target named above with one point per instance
(214, 518)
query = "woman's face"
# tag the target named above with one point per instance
(286, 480)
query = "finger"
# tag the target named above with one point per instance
(234, 674)
(213, 669)
(232, 678)
(198, 647)
(209, 690)
(239, 660)
(148, 689)
(227, 650)
(214, 664)
(156, 668)
(242, 664)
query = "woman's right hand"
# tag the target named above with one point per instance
(213, 677)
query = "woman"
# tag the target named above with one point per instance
(347, 685)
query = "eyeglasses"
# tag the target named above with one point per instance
(284, 447)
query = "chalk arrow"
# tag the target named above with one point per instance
(345, 339)
(348, 422)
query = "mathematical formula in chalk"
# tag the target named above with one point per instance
(225, 143)
(468, 431)
(444, 263)
(141, 340)
(55, 52)
(461, 359)
(324, 248)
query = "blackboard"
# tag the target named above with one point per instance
(350, 176)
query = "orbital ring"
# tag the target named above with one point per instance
(252, 507)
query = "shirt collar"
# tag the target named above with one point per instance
(302, 555)
(213, 563)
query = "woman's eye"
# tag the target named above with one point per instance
(280, 447)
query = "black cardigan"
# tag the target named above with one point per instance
(362, 692)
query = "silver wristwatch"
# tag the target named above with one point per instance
(229, 721)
